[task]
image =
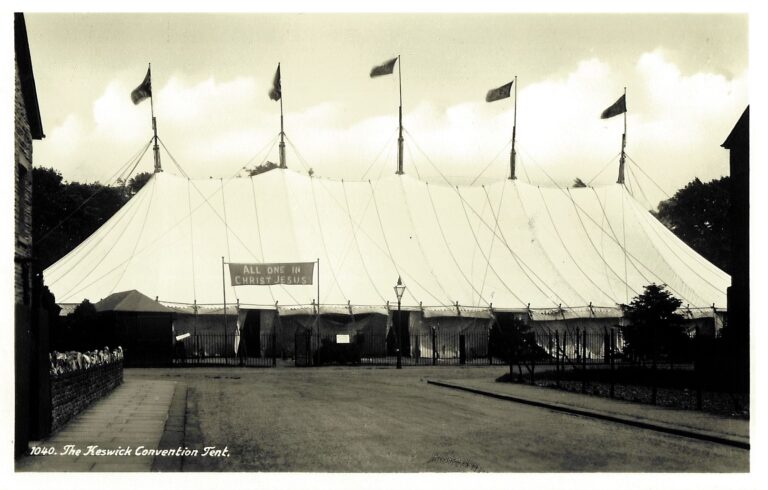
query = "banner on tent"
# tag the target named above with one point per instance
(294, 273)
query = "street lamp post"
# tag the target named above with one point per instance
(399, 290)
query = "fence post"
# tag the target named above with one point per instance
(488, 347)
(653, 366)
(578, 347)
(533, 360)
(549, 343)
(434, 347)
(557, 357)
(512, 357)
(584, 361)
(565, 349)
(308, 347)
(198, 353)
(295, 348)
(697, 369)
(462, 349)
(613, 355)
(416, 351)
(274, 346)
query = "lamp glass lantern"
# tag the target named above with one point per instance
(399, 289)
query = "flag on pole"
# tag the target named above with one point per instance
(276, 92)
(384, 69)
(618, 107)
(498, 93)
(144, 90)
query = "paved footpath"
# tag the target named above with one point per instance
(688, 423)
(134, 415)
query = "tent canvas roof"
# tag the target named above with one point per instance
(507, 245)
(130, 301)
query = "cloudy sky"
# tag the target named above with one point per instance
(685, 74)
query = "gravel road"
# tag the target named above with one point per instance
(338, 419)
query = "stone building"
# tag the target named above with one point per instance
(30, 340)
(738, 294)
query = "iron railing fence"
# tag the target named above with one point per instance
(573, 348)
(684, 375)
(430, 349)
(219, 350)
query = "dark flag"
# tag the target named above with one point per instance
(384, 69)
(276, 92)
(498, 93)
(144, 90)
(618, 107)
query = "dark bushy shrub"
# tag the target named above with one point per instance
(79, 330)
(513, 341)
(655, 330)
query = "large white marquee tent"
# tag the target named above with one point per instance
(507, 246)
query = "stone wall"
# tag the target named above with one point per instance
(23, 196)
(73, 392)
(22, 170)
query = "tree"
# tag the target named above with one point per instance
(577, 182)
(512, 340)
(138, 181)
(260, 169)
(698, 215)
(66, 213)
(655, 330)
(79, 330)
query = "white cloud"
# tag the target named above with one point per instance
(670, 93)
(116, 118)
(222, 103)
(65, 139)
(676, 123)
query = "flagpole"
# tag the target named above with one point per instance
(282, 132)
(513, 154)
(158, 167)
(400, 112)
(623, 142)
